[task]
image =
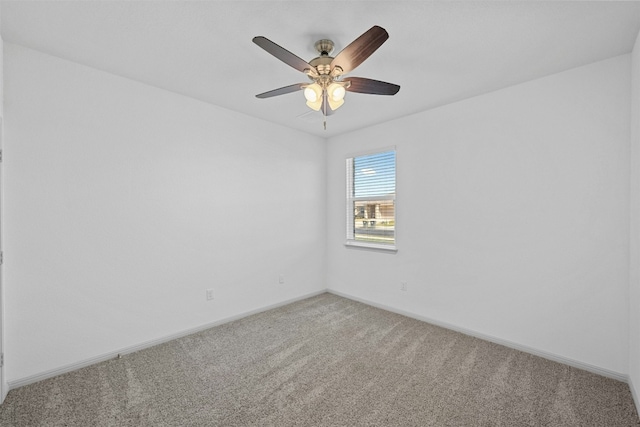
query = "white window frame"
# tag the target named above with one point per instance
(350, 199)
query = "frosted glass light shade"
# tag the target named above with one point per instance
(313, 95)
(335, 104)
(336, 92)
(313, 92)
(315, 105)
(335, 95)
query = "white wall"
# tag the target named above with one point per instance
(512, 213)
(634, 272)
(4, 388)
(125, 202)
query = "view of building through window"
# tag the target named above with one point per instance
(371, 190)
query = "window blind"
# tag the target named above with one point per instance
(371, 194)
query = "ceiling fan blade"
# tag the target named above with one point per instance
(373, 87)
(281, 91)
(360, 49)
(282, 54)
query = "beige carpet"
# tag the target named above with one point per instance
(324, 361)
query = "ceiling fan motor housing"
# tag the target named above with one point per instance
(322, 64)
(324, 47)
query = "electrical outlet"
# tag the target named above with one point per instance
(209, 294)
(281, 279)
(403, 286)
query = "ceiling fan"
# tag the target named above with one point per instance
(328, 84)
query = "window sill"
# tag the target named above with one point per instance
(369, 245)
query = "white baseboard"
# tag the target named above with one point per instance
(137, 347)
(634, 393)
(554, 357)
(131, 349)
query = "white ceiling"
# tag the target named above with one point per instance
(438, 52)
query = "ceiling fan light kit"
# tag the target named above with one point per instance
(328, 85)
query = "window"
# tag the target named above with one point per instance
(371, 200)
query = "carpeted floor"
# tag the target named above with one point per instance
(324, 361)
